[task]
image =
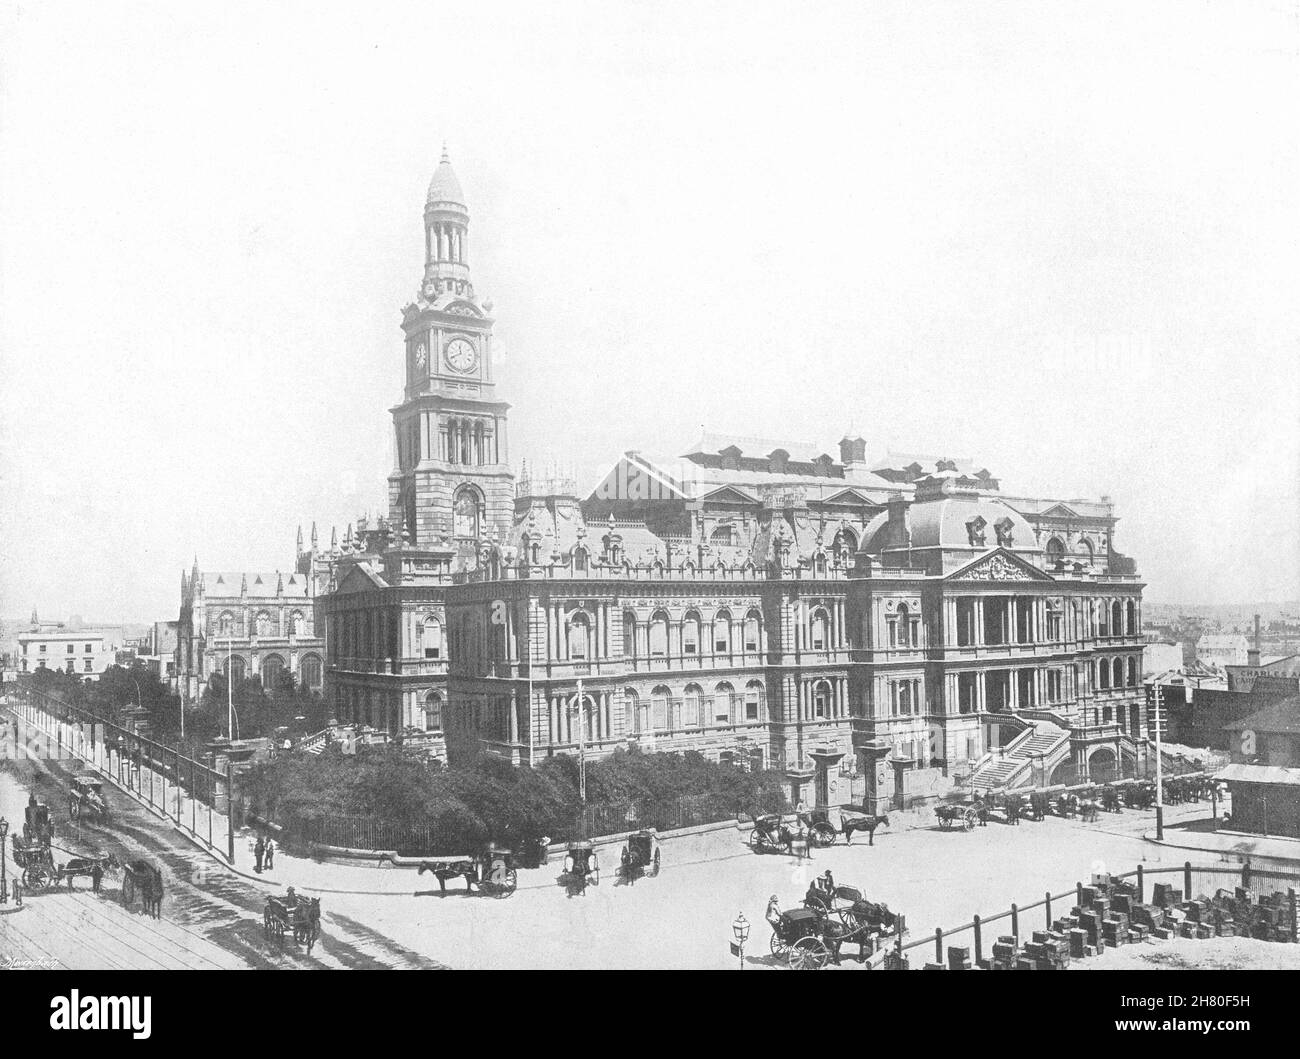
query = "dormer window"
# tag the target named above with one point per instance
(777, 461)
(1003, 527)
(975, 530)
(730, 458)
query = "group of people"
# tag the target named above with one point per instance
(263, 854)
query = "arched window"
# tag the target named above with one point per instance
(633, 722)
(691, 706)
(753, 701)
(722, 633)
(819, 564)
(235, 669)
(822, 699)
(309, 669)
(1117, 673)
(1055, 551)
(465, 512)
(1132, 672)
(905, 696)
(1053, 620)
(659, 635)
(900, 632)
(1131, 618)
(272, 672)
(845, 541)
(1116, 619)
(722, 536)
(433, 712)
(723, 695)
(431, 637)
(579, 560)
(691, 633)
(659, 702)
(821, 626)
(629, 634)
(579, 636)
(1103, 674)
(1083, 550)
(263, 623)
(226, 625)
(753, 632)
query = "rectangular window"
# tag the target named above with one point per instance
(661, 713)
(691, 712)
(722, 709)
(88, 649)
(690, 640)
(71, 665)
(751, 706)
(751, 636)
(89, 666)
(42, 648)
(71, 648)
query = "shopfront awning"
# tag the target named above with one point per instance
(1259, 774)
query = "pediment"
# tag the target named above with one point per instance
(728, 495)
(1060, 511)
(850, 496)
(998, 565)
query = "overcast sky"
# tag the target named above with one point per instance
(1058, 238)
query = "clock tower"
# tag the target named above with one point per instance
(452, 487)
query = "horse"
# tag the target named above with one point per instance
(467, 869)
(306, 922)
(1088, 810)
(1067, 806)
(147, 879)
(93, 867)
(865, 823)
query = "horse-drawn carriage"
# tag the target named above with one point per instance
(291, 913)
(581, 865)
(36, 861)
(956, 814)
(144, 878)
(86, 800)
(771, 834)
(833, 916)
(824, 825)
(492, 871)
(641, 854)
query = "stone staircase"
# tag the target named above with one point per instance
(1043, 741)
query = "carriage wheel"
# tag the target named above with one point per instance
(809, 954)
(654, 870)
(37, 877)
(779, 948)
(823, 835)
(128, 889)
(755, 841)
(506, 888)
(968, 821)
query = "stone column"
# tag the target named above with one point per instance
(978, 609)
(514, 717)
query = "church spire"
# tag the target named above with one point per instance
(446, 235)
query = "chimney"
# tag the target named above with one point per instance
(853, 451)
(900, 532)
(1252, 655)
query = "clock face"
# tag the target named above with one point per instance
(461, 355)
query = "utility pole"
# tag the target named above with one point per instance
(1160, 794)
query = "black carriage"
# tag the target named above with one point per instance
(797, 937)
(581, 864)
(291, 914)
(36, 861)
(641, 854)
(854, 919)
(37, 827)
(822, 825)
(86, 800)
(770, 834)
(956, 814)
(145, 879)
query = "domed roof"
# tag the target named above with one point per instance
(947, 523)
(444, 187)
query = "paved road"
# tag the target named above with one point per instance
(211, 917)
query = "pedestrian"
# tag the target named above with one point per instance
(270, 855)
(96, 876)
(259, 851)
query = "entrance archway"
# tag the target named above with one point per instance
(1102, 765)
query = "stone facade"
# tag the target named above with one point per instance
(754, 600)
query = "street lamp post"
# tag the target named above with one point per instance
(4, 882)
(740, 928)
